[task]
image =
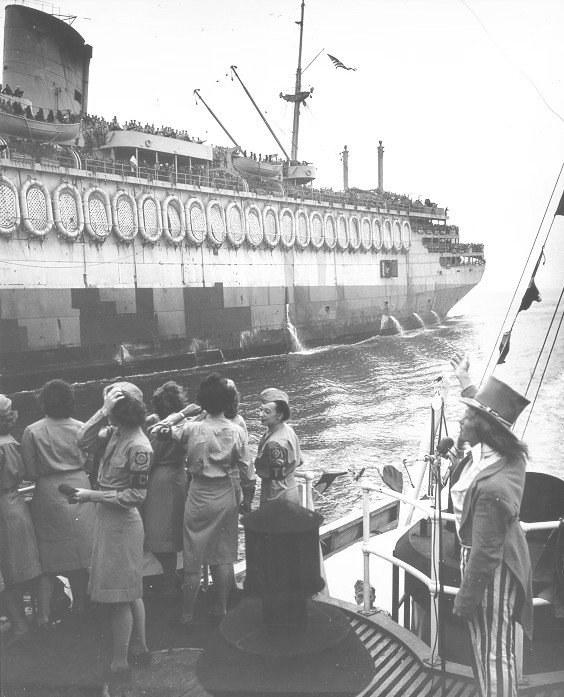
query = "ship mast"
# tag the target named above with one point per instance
(199, 96)
(296, 123)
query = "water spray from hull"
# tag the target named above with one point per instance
(293, 342)
(419, 319)
(389, 325)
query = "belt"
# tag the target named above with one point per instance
(60, 472)
(210, 479)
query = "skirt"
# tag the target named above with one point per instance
(284, 490)
(19, 554)
(210, 523)
(63, 529)
(163, 509)
(116, 572)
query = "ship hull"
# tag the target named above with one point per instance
(93, 285)
(117, 330)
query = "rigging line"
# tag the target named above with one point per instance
(543, 373)
(547, 334)
(540, 257)
(495, 346)
(313, 60)
(511, 61)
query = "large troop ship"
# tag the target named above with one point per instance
(128, 247)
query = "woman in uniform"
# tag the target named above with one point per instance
(19, 555)
(217, 458)
(279, 451)
(64, 532)
(496, 590)
(163, 510)
(116, 575)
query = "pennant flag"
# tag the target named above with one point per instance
(531, 295)
(337, 63)
(560, 209)
(504, 346)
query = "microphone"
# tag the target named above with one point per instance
(443, 449)
(445, 444)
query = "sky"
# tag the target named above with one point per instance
(466, 95)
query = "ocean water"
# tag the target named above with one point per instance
(366, 405)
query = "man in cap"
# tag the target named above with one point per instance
(279, 452)
(496, 590)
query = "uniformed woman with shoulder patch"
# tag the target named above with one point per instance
(116, 575)
(279, 452)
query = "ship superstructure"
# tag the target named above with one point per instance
(150, 245)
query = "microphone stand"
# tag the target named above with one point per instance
(436, 487)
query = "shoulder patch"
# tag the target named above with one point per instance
(142, 458)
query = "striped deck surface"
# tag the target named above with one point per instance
(399, 670)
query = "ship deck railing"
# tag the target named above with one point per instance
(432, 582)
(198, 180)
(154, 174)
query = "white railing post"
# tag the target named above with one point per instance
(309, 477)
(434, 591)
(365, 542)
(305, 488)
(416, 492)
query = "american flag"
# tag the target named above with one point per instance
(337, 63)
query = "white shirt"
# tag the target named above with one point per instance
(482, 457)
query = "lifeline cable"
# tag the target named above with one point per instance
(545, 340)
(545, 369)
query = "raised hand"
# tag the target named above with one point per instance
(461, 366)
(111, 398)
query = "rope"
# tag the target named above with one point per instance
(547, 362)
(496, 344)
(545, 340)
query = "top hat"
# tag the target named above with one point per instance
(273, 394)
(498, 401)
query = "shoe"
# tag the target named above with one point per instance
(140, 658)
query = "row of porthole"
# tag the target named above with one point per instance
(98, 213)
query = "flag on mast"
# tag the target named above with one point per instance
(337, 63)
(530, 296)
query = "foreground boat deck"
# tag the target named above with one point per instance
(68, 661)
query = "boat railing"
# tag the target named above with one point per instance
(432, 582)
(305, 488)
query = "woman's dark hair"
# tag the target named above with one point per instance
(215, 395)
(129, 412)
(169, 398)
(231, 411)
(57, 399)
(282, 408)
(7, 421)
(498, 438)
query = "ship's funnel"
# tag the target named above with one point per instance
(47, 58)
(380, 166)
